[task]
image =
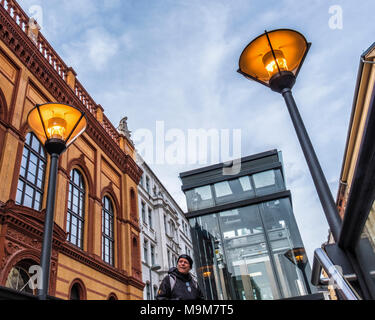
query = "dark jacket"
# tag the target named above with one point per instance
(181, 290)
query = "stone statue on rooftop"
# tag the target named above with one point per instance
(123, 128)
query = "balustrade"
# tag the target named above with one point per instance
(22, 20)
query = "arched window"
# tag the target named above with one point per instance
(19, 278)
(112, 296)
(107, 231)
(31, 180)
(77, 291)
(133, 204)
(76, 209)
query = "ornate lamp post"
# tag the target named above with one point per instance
(57, 126)
(274, 59)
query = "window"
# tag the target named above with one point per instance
(145, 251)
(150, 217)
(152, 255)
(264, 179)
(245, 183)
(19, 278)
(76, 293)
(172, 229)
(133, 204)
(76, 209)
(107, 231)
(141, 181)
(148, 184)
(200, 198)
(165, 224)
(222, 189)
(32, 174)
(233, 190)
(144, 212)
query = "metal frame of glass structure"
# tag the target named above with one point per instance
(242, 226)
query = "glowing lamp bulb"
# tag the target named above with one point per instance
(56, 128)
(299, 258)
(271, 64)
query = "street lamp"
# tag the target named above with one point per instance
(57, 126)
(274, 59)
(298, 257)
(155, 267)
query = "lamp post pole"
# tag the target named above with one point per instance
(316, 171)
(45, 261)
(56, 125)
(274, 59)
(151, 289)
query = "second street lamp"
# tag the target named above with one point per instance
(274, 59)
(56, 126)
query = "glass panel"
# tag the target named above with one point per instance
(199, 198)
(32, 168)
(247, 254)
(23, 165)
(33, 159)
(31, 174)
(245, 183)
(233, 190)
(28, 197)
(265, 183)
(209, 256)
(222, 189)
(35, 144)
(366, 248)
(264, 179)
(283, 236)
(19, 192)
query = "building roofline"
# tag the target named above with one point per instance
(144, 163)
(223, 164)
(354, 104)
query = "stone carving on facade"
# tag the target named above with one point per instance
(123, 128)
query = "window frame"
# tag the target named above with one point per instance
(70, 213)
(108, 212)
(41, 158)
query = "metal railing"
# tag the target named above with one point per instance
(335, 277)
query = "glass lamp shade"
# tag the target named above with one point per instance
(56, 121)
(272, 53)
(297, 255)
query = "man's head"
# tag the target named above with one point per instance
(184, 264)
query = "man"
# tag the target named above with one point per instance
(179, 284)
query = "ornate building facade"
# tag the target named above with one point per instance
(165, 231)
(96, 239)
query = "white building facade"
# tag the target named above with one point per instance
(165, 232)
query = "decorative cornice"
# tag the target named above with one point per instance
(133, 223)
(29, 221)
(26, 51)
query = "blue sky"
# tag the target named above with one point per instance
(176, 61)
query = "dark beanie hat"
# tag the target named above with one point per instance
(185, 256)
